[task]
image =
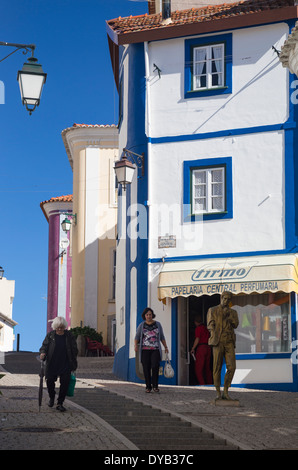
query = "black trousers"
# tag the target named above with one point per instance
(150, 359)
(64, 382)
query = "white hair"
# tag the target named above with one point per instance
(59, 321)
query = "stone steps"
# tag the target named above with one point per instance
(147, 427)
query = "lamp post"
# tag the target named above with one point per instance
(66, 223)
(31, 78)
(124, 169)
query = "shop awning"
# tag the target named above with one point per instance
(245, 275)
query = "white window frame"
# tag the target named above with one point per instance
(208, 185)
(209, 61)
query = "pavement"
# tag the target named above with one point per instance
(264, 420)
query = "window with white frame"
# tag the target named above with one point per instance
(208, 190)
(208, 67)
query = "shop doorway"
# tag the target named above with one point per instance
(188, 309)
(198, 306)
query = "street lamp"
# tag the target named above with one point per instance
(124, 169)
(66, 223)
(31, 78)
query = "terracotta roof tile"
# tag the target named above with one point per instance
(67, 198)
(94, 125)
(147, 22)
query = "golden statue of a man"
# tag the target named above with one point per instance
(221, 322)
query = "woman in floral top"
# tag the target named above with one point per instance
(148, 337)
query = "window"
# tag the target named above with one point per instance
(208, 189)
(264, 323)
(112, 295)
(113, 183)
(114, 275)
(208, 66)
(120, 102)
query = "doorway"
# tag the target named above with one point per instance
(198, 306)
(188, 309)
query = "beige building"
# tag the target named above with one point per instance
(92, 151)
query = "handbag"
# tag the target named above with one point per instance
(168, 369)
(71, 386)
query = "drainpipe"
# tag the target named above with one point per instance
(149, 179)
(147, 78)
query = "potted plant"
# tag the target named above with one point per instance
(81, 332)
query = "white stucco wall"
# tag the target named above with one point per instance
(258, 190)
(263, 371)
(259, 86)
(121, 274)
(163, 310)
(91, 236)
(259, 97)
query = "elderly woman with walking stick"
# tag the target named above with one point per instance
(59, 350)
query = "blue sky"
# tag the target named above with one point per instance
(71, 44)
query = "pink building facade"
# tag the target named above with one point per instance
(59, 259)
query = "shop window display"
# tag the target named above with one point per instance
(264, 323)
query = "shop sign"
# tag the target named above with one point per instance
(217, 274)
(210, 289)
(169, 241)
(237, 275)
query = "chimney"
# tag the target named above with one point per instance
(166, 11)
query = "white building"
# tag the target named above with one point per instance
(204, 97)
(7, 324)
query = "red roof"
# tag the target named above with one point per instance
(119, 27)
(66, 198)
(94, 125)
